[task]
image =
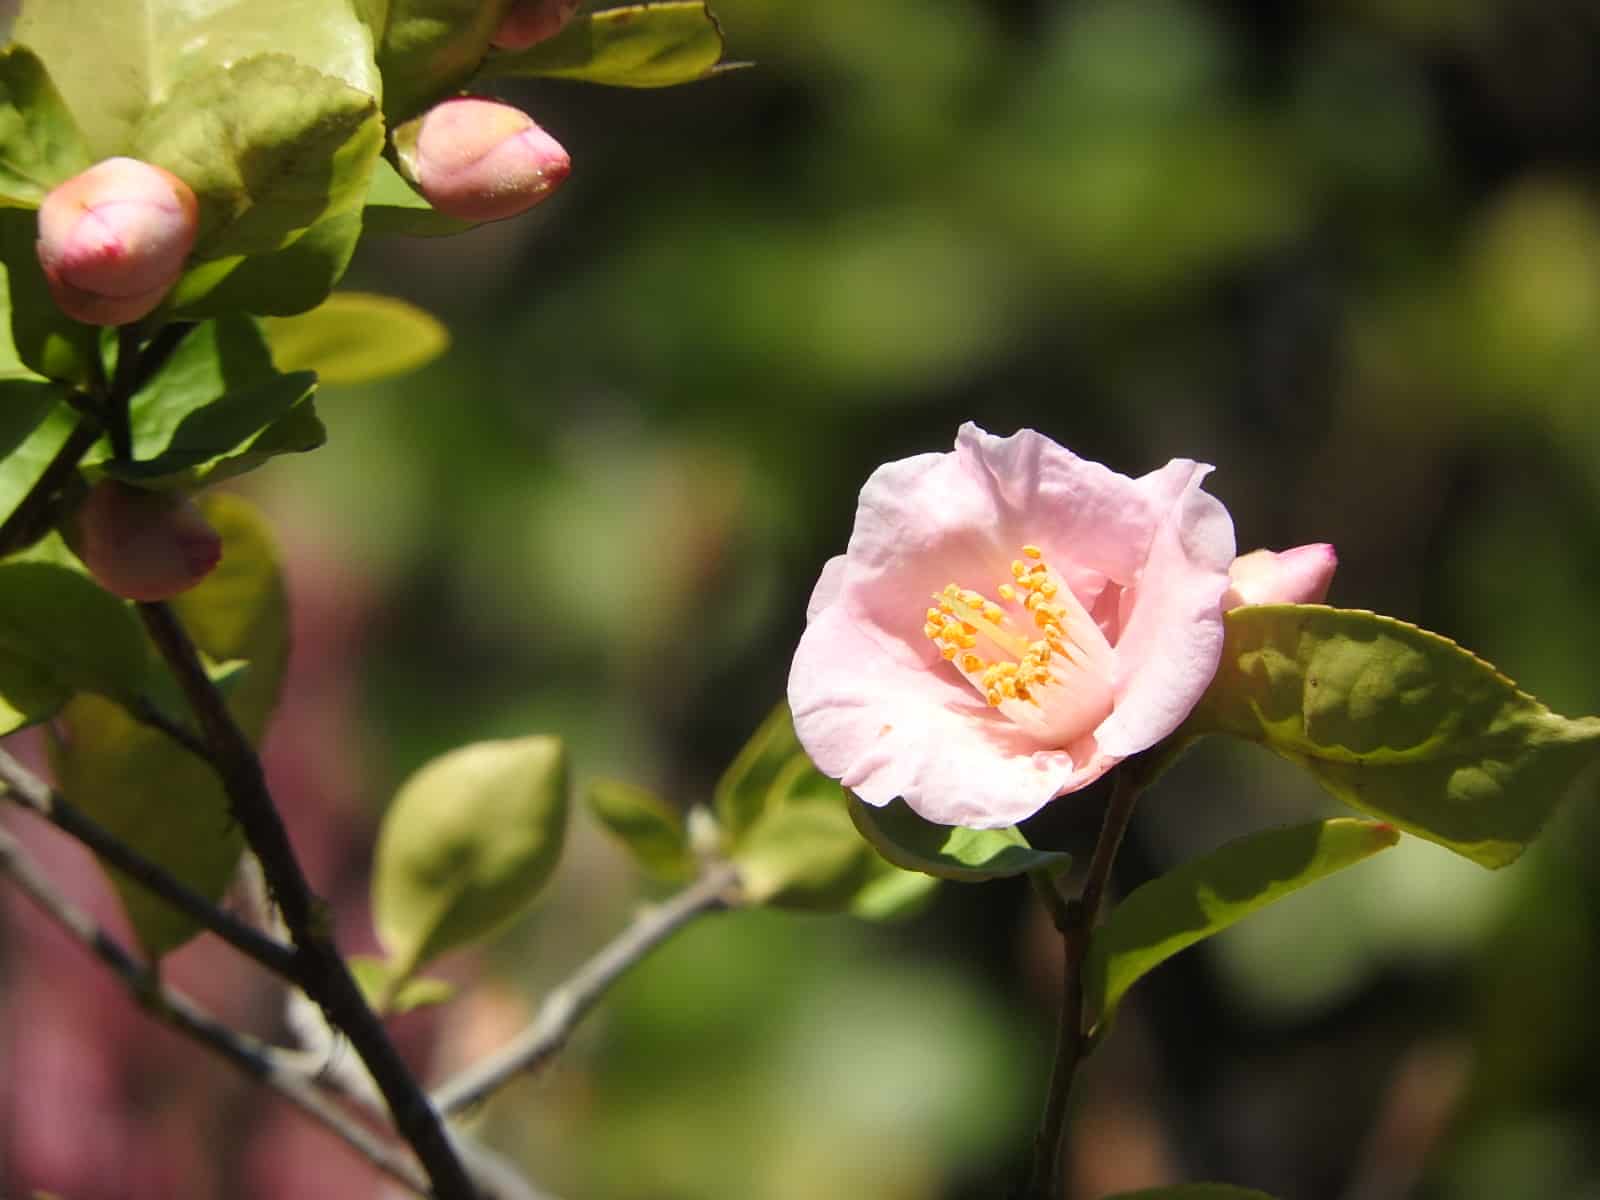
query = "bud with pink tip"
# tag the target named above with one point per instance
(529, 22)
(113, 240)
(145, 545)
(479, 160)
(1297, 576)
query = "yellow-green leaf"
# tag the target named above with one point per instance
(356, 337)
(639, 45)
(651, 829)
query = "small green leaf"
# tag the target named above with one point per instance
(744, 791)
(43, 337)
(34, 424)
(891, 894)
(357, 337)
(218, 406)
(805, 856)
(61, 633)
(1204, 897)
(949, 851)
(469, 842)
(1193, 1191)
(389, 997)
(284, 282)
(40, 145)
(395, 207)
(1398, 722)
(269, 146)
(640, 45)
(651, 829)
(430, 48)
(144, 789)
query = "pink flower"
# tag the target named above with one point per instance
(480, 160)
(529, 22)
(113, 240)
(145, 545)
(1008, 622)
(1298, 576)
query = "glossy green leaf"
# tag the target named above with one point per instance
(287, 281)
(805, 856)
(61, 633)
(34, 423)
(744, 791)
(430, 48)
(640, 45)
(270, 147)
(43, 338)
(1205, 896)
(40, 145)
(469, 842)
(949, 851)
(1398, 722)
(357, 337)
(891, 894)
(144, 789)
(651, 829)
(390, 997)
(1193, 1191)
(114, 59)
(395, 207)
(218, 406)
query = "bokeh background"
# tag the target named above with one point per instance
(1347, 251)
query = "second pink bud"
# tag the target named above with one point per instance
(480, 160)
(145, 545)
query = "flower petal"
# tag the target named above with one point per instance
(1297, 576)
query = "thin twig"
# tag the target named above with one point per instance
(28, 790)
(323, 973)
(1045, 1181)
(173, 1008)
(569, 1003)
(144, 710)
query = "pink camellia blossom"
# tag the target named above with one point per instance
(113, 240)
(529, 22)
(1008, 622)
(145, 545)
(1298, 576)
(480, 160)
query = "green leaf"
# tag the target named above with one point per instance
(158, 798)
(804, 856)
(61, 633)
(651, 829)
(1398, 722)
(269, 146)
(430, 48)
(40, 145)
(744, 791)
(890, 894)
(395, 207)
(390, 997)
(1204, 897)
(281, 283)
(469, 842)
(218, 407)
(114, 59)
(44, 338)
(948, 851)
(357, 337)
(640, 45)
(1193, 1191)
(34, 423)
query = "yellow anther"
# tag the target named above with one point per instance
(971, 664)
(948, 653)
(1007, 592)
(1018, 569)
(1047, 588)
(1033, 551)
(993, 612)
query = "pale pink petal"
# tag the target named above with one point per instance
(1297, 576)
(828, 585)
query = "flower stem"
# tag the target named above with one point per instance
(1076, 924)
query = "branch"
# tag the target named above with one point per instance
(322, 972)
(1076, 922)
(182, 1014)
(28, 790)
(569, 1003)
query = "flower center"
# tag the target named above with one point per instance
(1035, 654)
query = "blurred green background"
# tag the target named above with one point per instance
(1349, 252)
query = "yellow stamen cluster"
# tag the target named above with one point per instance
(961, 615)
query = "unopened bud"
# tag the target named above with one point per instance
(145, 545)
(479, 160)
(113, 240)
(1297, 576)
(529, 22)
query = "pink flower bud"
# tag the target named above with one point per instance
(113, 240)
(479, 160)
(1297, 576)
(145, 545)
(529, 22)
